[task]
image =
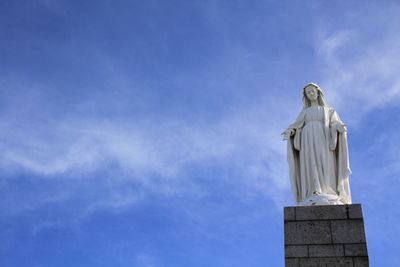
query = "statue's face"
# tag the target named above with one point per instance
(311, 93)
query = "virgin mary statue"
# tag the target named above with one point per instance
(317, 153)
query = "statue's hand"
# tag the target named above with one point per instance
(288, 133)
(341, 128)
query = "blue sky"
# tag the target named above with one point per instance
(147, 133)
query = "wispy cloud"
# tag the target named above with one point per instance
(360, 78)
(360, 74)
(159, 156)
(330, 44)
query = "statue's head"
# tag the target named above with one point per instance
(313, 92)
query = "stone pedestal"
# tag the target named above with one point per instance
(328, 236)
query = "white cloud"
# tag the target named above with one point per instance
(329, 45)
(360, 78)
(159, 155)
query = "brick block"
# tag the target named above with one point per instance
(289, 214)
(348, 231)
(321, 212)
(326, 251)
(328, 262)
(307, 232)
(355, 250)
(296, 251)
(361, 262)
(355, 211)
(291, 262)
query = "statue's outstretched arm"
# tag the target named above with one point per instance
(293, 128)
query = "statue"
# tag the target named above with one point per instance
(317, 153)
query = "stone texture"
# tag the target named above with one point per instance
(296, 251)
(326, 262)
(309, 232)
(355, 250)
(355, 211)
(348, 231)
(291, 262)
(321, 213)
(325, 236)
(326, 251)
(289, 214)
(361, 262)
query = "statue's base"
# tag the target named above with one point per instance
(329, 236)
(322, 199)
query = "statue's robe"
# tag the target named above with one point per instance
(337, 144)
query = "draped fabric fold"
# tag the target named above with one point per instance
(317, 155)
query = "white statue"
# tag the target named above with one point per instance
(317, 153)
